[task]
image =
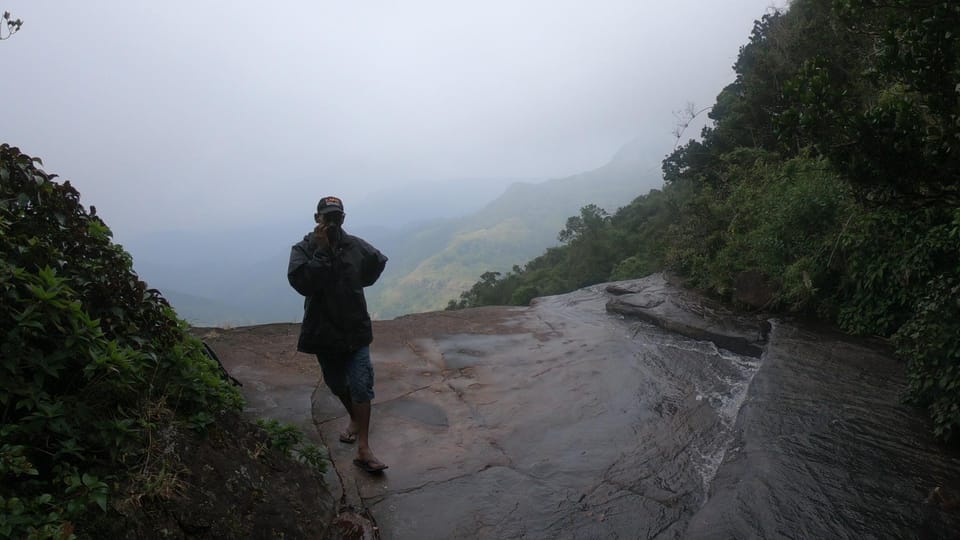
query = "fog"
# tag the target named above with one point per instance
(213, 115)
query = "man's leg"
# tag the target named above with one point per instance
(360, 375)
(353, 429)
(365, 458)
(335, 376)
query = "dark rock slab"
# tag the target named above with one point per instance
(577, 418)
(825, 449)
(656, 301)
(754, 289)
(417, 410)
(566, 421)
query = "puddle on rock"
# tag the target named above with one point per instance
(417, 410)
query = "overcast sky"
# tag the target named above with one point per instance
(177, 115)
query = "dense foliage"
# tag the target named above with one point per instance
(93, 365)
(832, 170)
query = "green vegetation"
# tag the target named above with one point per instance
(832, 169)
(597, 247)
(94, 367)
(290, 442)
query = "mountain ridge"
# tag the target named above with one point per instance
(431, 260)
(510, 230)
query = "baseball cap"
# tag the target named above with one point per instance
(329, 204)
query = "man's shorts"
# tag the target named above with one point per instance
(349, 372)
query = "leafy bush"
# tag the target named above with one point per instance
(290, 441)
(930, 340)
(88, 354)
(783, 219)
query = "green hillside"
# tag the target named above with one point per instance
(434, 263)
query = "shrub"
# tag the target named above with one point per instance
(291, 442)
(930, 339)
(785, 218)
(88, 353)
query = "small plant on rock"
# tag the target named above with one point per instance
(290, 441)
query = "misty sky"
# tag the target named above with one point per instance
(178, 115)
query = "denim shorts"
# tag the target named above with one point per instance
(351, 372)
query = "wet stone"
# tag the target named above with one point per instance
(666, 306)
(578, 418)
(418, 410)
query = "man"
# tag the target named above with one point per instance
(330, 268)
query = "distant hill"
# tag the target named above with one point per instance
(200, 311)
(239, 277)
(434, 263)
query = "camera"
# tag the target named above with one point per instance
(333, 218)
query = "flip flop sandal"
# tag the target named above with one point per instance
(369, 466)
(347, 437)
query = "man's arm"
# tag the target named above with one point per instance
(372, 265)
(310, 265)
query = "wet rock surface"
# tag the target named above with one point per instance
(588, 415)
(658, 302)
(824, 449)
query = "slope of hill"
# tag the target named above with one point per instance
(432, 265)
(205, 311)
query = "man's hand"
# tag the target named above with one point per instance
(320, 235)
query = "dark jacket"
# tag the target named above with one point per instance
(335, 317)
